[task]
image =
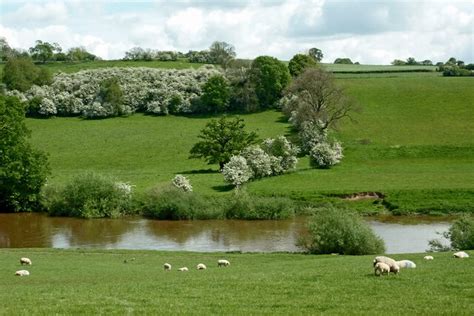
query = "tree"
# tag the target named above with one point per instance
(347, 61)
(5, 50)
(269, 76)
(427, 62)
(215, 94)
(314, 97)
(398, 62)
(23, 170)
(316, 54)
(222, 139)
(111, 96)
(221, 53)
(44, 51)
(299, 63)
(411, 61)
(20, 74)
(79, 54)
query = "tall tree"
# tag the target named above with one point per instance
(221, 53)
(299, 63)
(44, 51)
(222, 139)
(23, 170)
(316, 54)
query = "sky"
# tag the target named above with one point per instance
(367, 31)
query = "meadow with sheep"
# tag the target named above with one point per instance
(109, 281)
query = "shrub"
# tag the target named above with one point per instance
(325, 155)
(182, 183)
(259, 161)
(20, 74)
(310, 135)
(172, 203)
(334, 230)
(215, 94)
(90, 196)
(299, 63)
(284, 153)
(236, 171)
(460, 235)
(244, 206)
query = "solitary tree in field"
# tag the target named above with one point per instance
(314, 97)
(23, 170)
(221, 53)
(316, 54)
(222, 139)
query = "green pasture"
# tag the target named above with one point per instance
(412, 141)
(89, 282)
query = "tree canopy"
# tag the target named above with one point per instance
(221, 139)
(299, 63)
(316, 54)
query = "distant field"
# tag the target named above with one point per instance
(412, 141)
(89, 282)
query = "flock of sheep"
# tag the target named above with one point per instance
(382, 265)
(385, 265)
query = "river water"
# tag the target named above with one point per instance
(401, 234)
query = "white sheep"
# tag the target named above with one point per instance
(406, 264)
(428, 257)
(22, 273)
(167, 267)
(223, 263)
(391, 263)
(381, 268)
(26, 261)
(183, 269)
(201, 266)
(460, 254)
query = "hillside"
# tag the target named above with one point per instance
(412, 142)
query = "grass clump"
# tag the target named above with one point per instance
(89, 195)
(333, 230)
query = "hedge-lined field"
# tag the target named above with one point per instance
(99, 282)
(412, 141)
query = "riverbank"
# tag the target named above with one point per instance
(88, 281)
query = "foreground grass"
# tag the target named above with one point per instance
(90, 281)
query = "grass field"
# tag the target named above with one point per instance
(99, 282)
(412, 141)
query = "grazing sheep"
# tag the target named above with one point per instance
(201, 266)
(428, 257)
(381, 268)
(167, 267)
(406, 264)
(391, 263)
(223, 263)
(183, 269)
(22, 273)
(460, 254)
(26, 261)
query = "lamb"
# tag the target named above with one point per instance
(406, 264)
(26, 261)
(389, 261)
(223, 263)
(167, 267)
(22, 273)
(428, 257)
(460, 254)
(381, 268)
(183, 269)
(201, 266)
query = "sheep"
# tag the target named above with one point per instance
(391, 263)
(167, 267)
(22, 273)
(26, 261)
(381, 268)
(183, 269)
(201, 266)
(428, 257)
(406, 264)
(460, 254)
(223, 263)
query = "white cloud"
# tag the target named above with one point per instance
(366, 31)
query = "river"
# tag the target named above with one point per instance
(21, 230)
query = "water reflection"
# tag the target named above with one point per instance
(37, 230)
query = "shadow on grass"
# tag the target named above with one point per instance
(223, 188)
(200, 171)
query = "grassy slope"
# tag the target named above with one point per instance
(92, 282)
(419, 151)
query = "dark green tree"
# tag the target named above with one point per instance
(221, 139)
(269, 77)
(299, 63)
(23, 170)
(44, 51)
(5, 50)
(346, 61)
(215, 94)
(20, 74)
(111, 95)
(316, 54)
(221, 53)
